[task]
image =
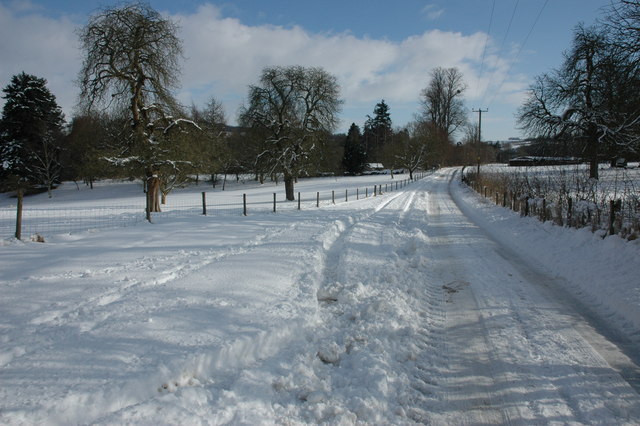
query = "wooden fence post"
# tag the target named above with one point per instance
(244, 204)
(333, 197)
(318, 199)
(274, 202)
(148, 207)
(19, 215)
(346, 195)
(298, 201)
(204, 203)
(612, 216)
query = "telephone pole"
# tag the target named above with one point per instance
(479, 111)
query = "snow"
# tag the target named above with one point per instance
(423, 305)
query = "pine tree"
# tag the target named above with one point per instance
(355, 154)
(377, 131)
(30, 131)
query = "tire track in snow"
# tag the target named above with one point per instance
(57, 324)
(358, 354)
(209, 366)
(156, 270)
(205, 368)
(514, 340)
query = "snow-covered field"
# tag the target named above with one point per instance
(76, 208)
(423, 305)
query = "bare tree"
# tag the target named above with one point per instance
(411, 146)
(623, 18)
(132, 58)
(442, 102)
(212, 154)
(591, 98)
(292, 107)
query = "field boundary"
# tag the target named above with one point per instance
(565, 196)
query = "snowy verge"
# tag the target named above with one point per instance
(603, 273)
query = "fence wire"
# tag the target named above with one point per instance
(46, 221)
(566, 196)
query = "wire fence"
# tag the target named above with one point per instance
(40, 222)
(64, 220)
(566, 196)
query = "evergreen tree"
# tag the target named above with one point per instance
(381, 116)
(82, 149)
(355, 153)
(377, 131)
(30, 131)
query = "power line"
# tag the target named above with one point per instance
(504, 40)
(515, 58)
(486, 42)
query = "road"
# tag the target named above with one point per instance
(520, 349)
(495, 340)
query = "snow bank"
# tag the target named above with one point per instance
(604, 273)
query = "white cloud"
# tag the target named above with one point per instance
(41, 46)
(432, 12)
(223, 56)
(23, 6)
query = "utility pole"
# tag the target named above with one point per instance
(479, 111)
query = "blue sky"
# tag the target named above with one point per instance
(377, 49)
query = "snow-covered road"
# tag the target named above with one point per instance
(521, 350)
(404, 308)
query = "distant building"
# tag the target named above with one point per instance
(543, 161)
(373, 167)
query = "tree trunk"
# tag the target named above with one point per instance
(153, 189)
(288, 187)
(593, 168)
(592, 150)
